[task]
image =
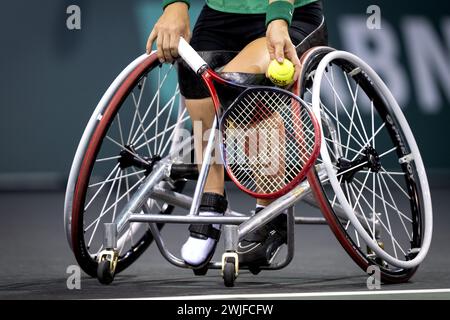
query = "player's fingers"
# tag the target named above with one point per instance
(166, 48)
(151, 39)
(292, 55)
(271, 50)
(187, 36)
(159, 45)
(173, 46)
(279, 52)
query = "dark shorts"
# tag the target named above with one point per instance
(219, 36)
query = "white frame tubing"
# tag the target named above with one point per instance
(423, 181)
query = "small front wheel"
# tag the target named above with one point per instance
(104, 273)
(229, 274)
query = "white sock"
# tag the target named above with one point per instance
(195, 251)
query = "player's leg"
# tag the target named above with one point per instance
(200, 246)
(201, 243)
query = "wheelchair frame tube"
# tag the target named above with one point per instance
(142, 194)
(274, 209)
(200, 186)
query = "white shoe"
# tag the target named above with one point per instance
(200, 246)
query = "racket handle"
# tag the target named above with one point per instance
(189, 55)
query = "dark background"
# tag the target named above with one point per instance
(52, 77)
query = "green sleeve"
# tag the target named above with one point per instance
(167, 2)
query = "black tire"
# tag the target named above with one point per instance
(229, 275)
(104, 274)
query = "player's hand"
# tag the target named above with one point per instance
(280, 45)
(173, 23)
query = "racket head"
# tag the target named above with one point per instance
(270, 139)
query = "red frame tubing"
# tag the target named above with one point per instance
(93, 148)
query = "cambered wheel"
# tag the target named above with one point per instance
(139, 121)
(376, 190)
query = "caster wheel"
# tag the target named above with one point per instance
(201, 271)
(229, 275)
(104, 274)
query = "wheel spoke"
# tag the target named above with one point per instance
(115, 178)
(108, 158)
(396, 208)
(384, 226)
(355, 98)
(379, 198)
(352, 125)
(144, 81)
(396, 183)
(345, 110)
(348, 170)
(371, 138)
(331, 151)
(115, 203)
(173, 133)
(167, 105)
(335, 105)
(387, 216)
(373, 122)
(387, 152)
(395, 173)
(155, 97)
(357, 203)
(160, 134)
(374, 211)
(116, 167)
(117, 196)
(141, 125)
(165, 126)
(126, 149)
(339, 124)
(346, 147)
(119, 125)
(101, 212)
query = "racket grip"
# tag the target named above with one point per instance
(189, 55)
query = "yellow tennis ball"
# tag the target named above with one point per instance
(281, 74)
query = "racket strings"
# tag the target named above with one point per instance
(268, 139)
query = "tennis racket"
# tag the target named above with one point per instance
(269, 137)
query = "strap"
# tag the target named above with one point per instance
(204, 231)
(213, 202)
(281, 9)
